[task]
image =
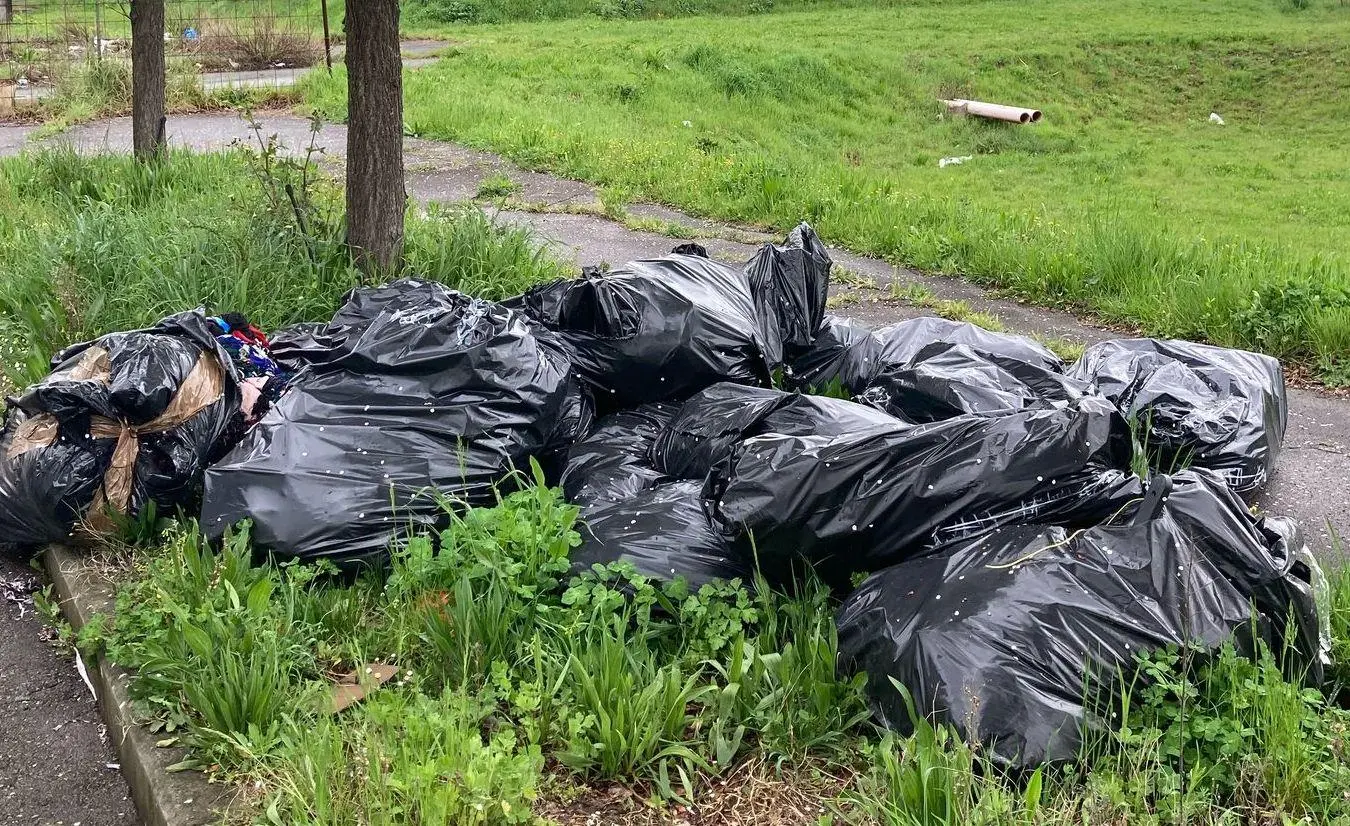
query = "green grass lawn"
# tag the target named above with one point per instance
(1125, 201)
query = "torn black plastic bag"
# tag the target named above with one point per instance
(713, 421)
(664, 532)
(1006, 637)
(612, 464)
(844, 355)
(424, 390)
(130, 419)
(1199, 405)
(791, 283)
(862, 500)
(659, 330)
(943, 380)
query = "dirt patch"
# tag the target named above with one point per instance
(752, 795)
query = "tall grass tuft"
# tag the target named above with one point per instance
(98, 244)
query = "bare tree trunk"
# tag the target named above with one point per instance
(147, 77)
(375, 194)
(6, 11)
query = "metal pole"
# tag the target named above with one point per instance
(98, 30)
(327, 40)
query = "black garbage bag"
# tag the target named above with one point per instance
(296, 346)
(575, 421)
(1006, 637)
(713, 421)
(612, 464)
(1199, 405)
(123, 422)
(664, 532)
(791, 283)
(690, 248)
(944, 380)
(844, 356)
(902, 342)
(862, 500)
(658, 330)
(424, 389)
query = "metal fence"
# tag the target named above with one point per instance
(215, 44)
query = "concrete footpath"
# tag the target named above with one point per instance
(1312, 482)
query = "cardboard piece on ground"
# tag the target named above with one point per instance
(352, 688)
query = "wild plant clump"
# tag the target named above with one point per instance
(519, 681)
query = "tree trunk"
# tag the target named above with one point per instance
(375, 194)
(147, 77)
(6, 11)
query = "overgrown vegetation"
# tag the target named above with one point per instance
(93, 244)
(1125, 201)
(519, 683)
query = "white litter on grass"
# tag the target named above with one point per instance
(1214, 118)
(943, 163)
(84, 674)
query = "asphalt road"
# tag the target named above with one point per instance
(56, 764)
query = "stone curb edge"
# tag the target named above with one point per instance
(163, 798)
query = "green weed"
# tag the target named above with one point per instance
(404, 760)
(216, 646)
(497, 185)
(1203, 733)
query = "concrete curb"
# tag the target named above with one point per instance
(163, 798)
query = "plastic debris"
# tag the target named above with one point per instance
(658, 330)
(867, 498)
(662, 329)
(790, 283)
(84, 674)
(984, 486)
(1005, 637)
(712, 423)
(664, 532)
(611, 464)
(1195, 405)
(419, 390)
(943, 163)
(844, 356)
(1215, 119)
(122, 423)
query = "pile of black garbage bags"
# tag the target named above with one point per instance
(710, 422)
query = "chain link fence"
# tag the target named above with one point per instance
(49, 47)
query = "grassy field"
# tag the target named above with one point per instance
(1125, 201)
